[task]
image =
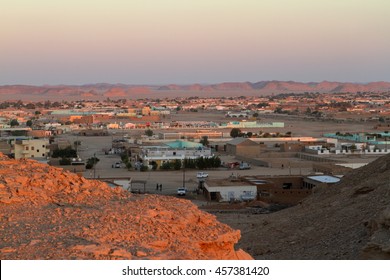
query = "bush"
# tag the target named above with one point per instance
(92, 161)
(143, 168)
(128, 165)
(149, 132)
(177, 164)
(124, 158)
(165, 166)
(88, 166)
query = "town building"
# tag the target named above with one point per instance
(31, 148)
(226, 190)
(243, 147)
(176, 150)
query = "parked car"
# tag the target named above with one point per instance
(244, 165)
(116, 165)
(181, 191)
(202, 175)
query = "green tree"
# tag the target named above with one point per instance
(177, 164)
(128, 165)
(165, 166)
(124, 157)
(149, 132)
(154, 165)
(204, 141)
(14, 122)
(235, 132)
(201, 163)
(29, 123)
(68, 152)
(189, 163)
(91, 162)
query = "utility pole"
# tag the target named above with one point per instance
(94, 165)
(184, 174)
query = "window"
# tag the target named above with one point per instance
(37, 151)
(43, 146)
(27, 148)
(43, 155)
(32, 148)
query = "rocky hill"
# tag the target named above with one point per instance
(49, 213)
(348, 221)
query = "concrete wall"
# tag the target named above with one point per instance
(227, 193)
(280, 196)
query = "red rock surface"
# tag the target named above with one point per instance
(49, 213)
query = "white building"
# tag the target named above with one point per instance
(229, 190)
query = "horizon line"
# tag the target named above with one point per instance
(186, 84)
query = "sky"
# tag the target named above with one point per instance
(193, 41)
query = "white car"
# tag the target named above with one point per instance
(116, 165)
(181, 191)
(244, 165)
(202, 175)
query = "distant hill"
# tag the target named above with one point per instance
(286, 86)
(104, 90)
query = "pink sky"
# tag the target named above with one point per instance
(187, 41)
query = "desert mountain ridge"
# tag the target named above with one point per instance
(104, 90)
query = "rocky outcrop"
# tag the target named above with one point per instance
(378, 246)
(350, 220)
(49, 213)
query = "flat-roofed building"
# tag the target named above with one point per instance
(227, 190)
(320, 180)
(31, 148)
(177, 150)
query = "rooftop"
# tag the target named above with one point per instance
(227, 183)
(325, 179)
